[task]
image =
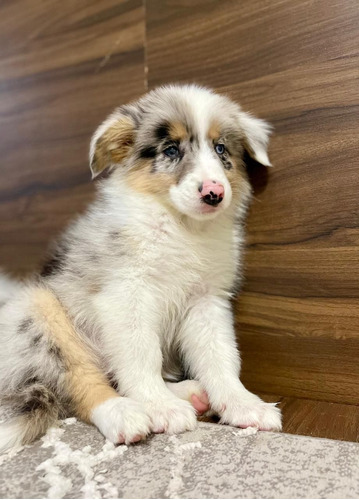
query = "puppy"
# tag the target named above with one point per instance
(137, 290)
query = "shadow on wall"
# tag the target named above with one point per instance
(258, 174)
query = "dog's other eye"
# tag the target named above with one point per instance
(220, 149)
(172, 152)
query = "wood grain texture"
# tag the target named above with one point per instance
(64, 67)
(313, 418)
(295, 64)
(318, 418)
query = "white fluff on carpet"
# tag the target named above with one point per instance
(213, 461)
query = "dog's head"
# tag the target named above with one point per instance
(184, 145)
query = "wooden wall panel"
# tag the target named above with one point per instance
(295, 64)
(63, 67)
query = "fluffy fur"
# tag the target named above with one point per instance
(137, 290)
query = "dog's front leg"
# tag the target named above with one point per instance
(208, 343)
(133, 347)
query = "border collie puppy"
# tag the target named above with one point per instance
(129, 326)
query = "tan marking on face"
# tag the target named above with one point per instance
(178, 131)
(87, 386)
(142, 179)
(114, 145)
(238, 179)
(214, 131)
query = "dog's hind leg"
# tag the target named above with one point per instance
(191, 391)
(120, 419)
(52, 368)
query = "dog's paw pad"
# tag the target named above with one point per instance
(192, 391)
(200, 403)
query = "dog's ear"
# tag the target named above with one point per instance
(256, 137)
(114, 139)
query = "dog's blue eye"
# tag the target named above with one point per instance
(220, 149)
(172, 152)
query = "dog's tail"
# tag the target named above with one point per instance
(35, 408)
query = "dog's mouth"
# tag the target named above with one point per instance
(211, 200)
(206, 209)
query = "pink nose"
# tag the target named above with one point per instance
(212, 192)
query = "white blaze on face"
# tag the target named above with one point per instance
(186, 196)
(207, 166)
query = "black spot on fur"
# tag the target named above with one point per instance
(162, 131)
(112, 380)
(56, 354)
(25, 325)
(36, 341)
(50, 267)
(226, 163)
(54, 350)
(41, 406)
(55, 263)
(148, 152)
(37, 397)
(29, 380)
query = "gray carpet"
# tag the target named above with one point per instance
(73, 461)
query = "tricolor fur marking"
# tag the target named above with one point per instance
(137, 290)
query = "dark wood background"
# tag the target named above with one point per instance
(65, 65)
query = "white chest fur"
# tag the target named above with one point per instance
(185, 258)
(149, 266)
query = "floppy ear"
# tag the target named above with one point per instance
(113, 140)
(256, 137)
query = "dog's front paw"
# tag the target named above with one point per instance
(251, 412)
(171, 415)
(121, 420)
